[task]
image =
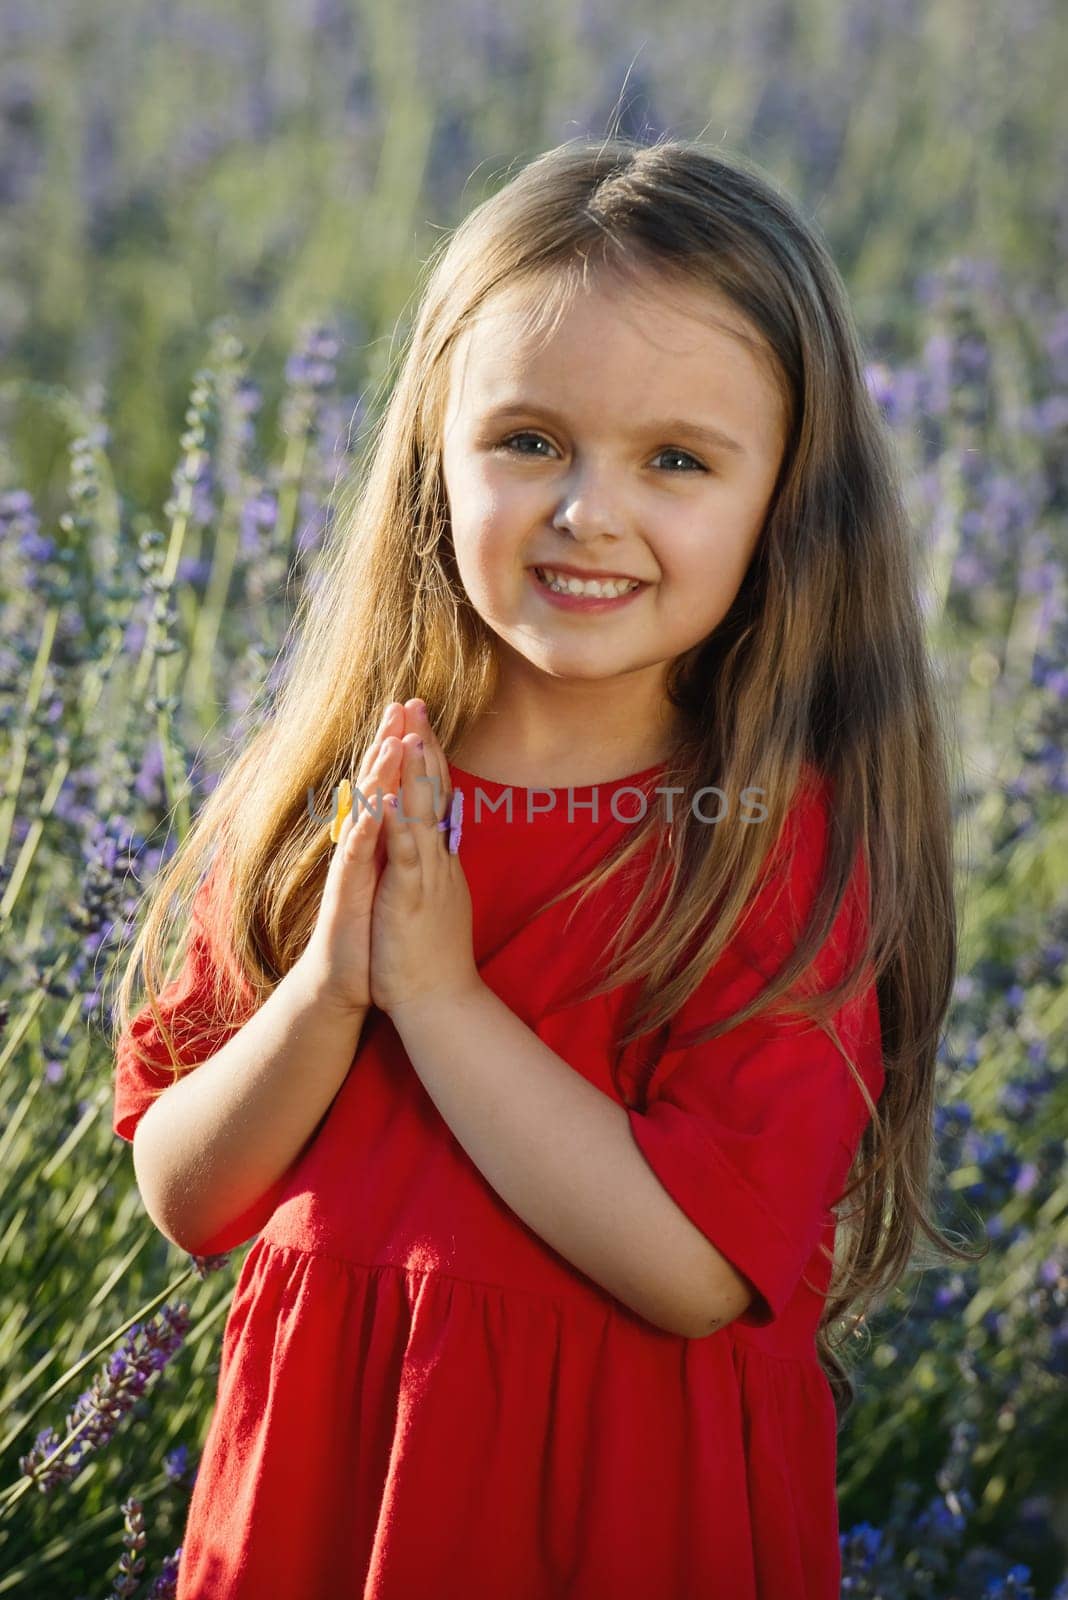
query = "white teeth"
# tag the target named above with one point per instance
(601, 588)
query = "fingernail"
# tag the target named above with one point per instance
(394, 802)
(419, 744)
(420, 708)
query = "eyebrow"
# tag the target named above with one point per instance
(714, 438)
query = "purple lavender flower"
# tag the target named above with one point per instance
(131, 1562)
(179, 1467)
(99, 1410)
(880, 381)
(166, 1585)
(194, 570)
(148, 785)
(258, 517)
(208, 1264)
(862, 1544)
(16, 505)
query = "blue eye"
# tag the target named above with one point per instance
(506, 444)
(510, 442)
(686, 456)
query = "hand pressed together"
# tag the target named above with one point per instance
(337, 958)
(422, 936)
(395, 921)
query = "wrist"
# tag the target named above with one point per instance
(435, 1002)
(318, 992)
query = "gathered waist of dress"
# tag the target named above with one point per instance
(532, 1268)
(419, 1269)
(533, 1272)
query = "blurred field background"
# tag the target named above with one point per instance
(211, 223)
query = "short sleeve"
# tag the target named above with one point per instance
(186, 1005)
(753, 1133)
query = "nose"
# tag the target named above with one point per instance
(588, 508)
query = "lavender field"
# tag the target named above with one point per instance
(212, 219)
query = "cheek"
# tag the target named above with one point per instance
(477, 493)
(485, 566)
(491, 528)
(715, 554)
(702, 578)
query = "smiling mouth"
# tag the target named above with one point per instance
(565, 600)
(619, 586)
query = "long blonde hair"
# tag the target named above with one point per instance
(820, 663)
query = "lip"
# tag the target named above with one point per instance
(579, 602)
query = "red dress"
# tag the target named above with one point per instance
(418, 1397)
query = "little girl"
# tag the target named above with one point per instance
(543, 1115)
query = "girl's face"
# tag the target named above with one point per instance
(584, 447)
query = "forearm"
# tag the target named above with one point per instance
(560, 1153)
(208, 1152)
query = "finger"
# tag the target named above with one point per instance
(401, 845)
(361, 840)
(436, 764)
(392, 723)
(438, 767)
(418, 799)
(362, 800)
(390, 726)
(385, 769)
(345, 801)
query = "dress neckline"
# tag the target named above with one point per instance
(492, 786)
